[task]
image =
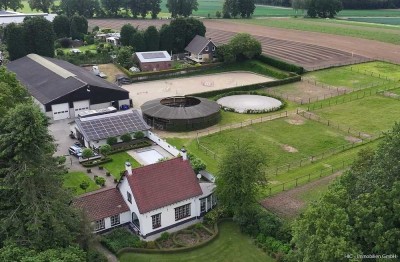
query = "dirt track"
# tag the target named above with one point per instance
(308, 49)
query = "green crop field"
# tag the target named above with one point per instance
(231, 245)
(334, 27)
(377, 20)
(372, 114)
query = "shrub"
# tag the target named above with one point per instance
(59, 52)
(96, 162)
(151, 245)
(89, 170)
(101, 181)
(87, 153)
(108, 173)
(120, 238)
(105, 149)
(95, 256)
(112, 140)
(164, 236)
(138, 135)
(65, 42)
(115, 180)
(126, 137)
(214, 215)
(198, 226)
(84, 185)
(196, 163)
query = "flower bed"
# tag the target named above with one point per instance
(128, 146)
(186, 238)
(96, 162)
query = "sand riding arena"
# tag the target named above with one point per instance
(144, 91)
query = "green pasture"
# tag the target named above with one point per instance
(343, 77)
(322, 26)
(118, 164)
(72, 180)
(395, 91)
(379, 68)
(371, 114)
(377, 20)
(231, 245)
(272, 138)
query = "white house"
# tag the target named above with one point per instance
(159, 197)
(93, 131)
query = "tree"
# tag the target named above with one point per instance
(152, 38)
(126, 137)
(39, 36)
(218, 14)
(111, 7)
(87, 153)
(15, 40)
(154, 8)
(185, 29)
(359, 213)
(78, 27)
(105, 149)
(240, 177)
(87, 8)
(134, 6)
(84, 185)
(138, 42)
(246, 8)
(226, 54)
(230, 8)
(167, 38)
(124, 57)
(11, 4)
(323, 8)
(127, 33)
(112, 140)
(36, 211)
(101, 181)
(41, 5)
(61, 26)
(11, 92)
(298, 5)
(182, 7)
(245, 46)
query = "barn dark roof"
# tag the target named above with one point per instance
(162, 184)
(48, 79)
(111, 125)
(197, 44)
(155, 108)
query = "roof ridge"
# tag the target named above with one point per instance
(157, 163)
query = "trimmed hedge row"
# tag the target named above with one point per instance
(129, 147)
(151, 75)
(96, 162)
(281, 64)
(209, 94)
(174, 250)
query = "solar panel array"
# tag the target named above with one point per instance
(96, 129)
(153, 55)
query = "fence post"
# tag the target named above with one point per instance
(309, 177)
(296, 181)
(283, 187)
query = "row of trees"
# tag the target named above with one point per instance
(319, 8)
(36, 220)
(37, 35)
(347, 4)
(233, 8)
(173, 37)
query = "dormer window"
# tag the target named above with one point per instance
(206, 48)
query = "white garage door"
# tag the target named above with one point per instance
(60, 111)
(80, 106)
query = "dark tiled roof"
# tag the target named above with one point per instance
(47, 85)
(162, 184)
(101, 204)
(155, 108)
(111, 125)
(197, 44)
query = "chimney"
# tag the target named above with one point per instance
(128, 168)
(184, 154)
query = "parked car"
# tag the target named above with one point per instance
(75, 151)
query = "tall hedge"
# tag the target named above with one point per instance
(281, 64)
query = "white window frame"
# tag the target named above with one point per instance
(115, 220)
(182, 212)
(156, 221)
(99, 224)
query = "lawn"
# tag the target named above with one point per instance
(377, 20)
(343, 77)
(84, 48)
(118, 163)
(74, 179)
(365, 31)
(371, 114)
(231, 245)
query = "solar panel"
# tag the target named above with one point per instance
(113, 125)
(153, 55)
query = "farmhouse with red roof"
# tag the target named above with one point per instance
(151, 199)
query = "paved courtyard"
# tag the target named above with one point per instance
(145, 91)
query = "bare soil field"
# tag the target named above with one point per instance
(145, 91)
(304, 92)
(289, 204)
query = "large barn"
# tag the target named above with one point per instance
(63, 90)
